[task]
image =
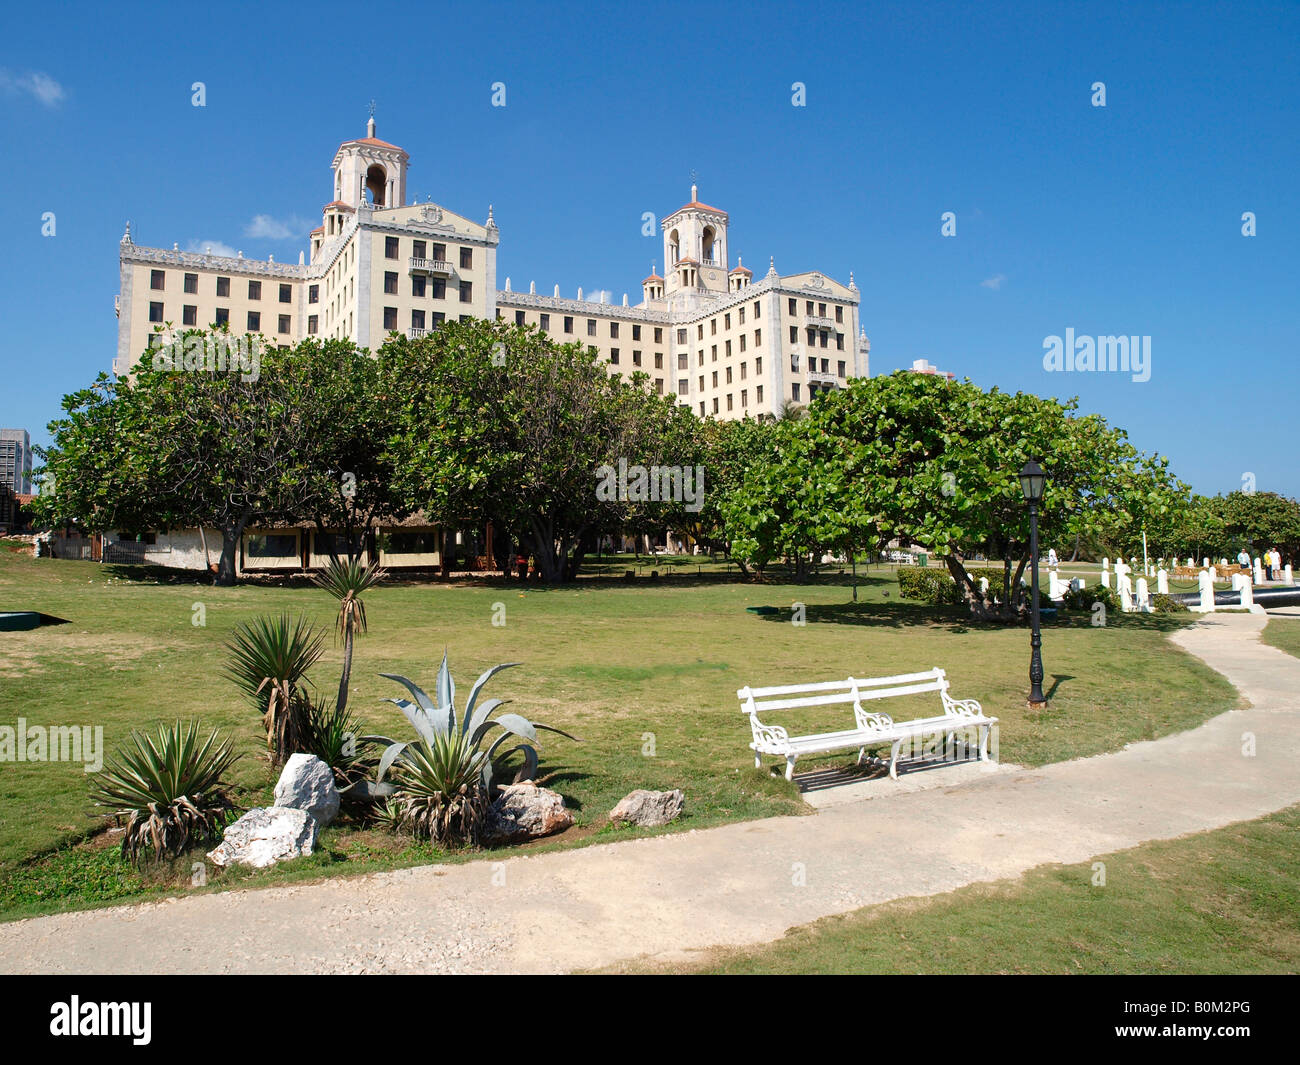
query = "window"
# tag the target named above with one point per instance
(758, 365)
(466, 292)
(223, 286)
(699, 333)
(189, 315)
(255, 290)
(568, 324)
(313, 323)
(825, 339)
(223, 316)
(282, 325)
(192, 283)
(254, 321)
(701, 358)
(390, 318)
(683, 361)
(544, 320)
(659, 360)
(636, 358)
(438, 319)
(713, 353)
(659, 386)
(286, 293)
(519, 317)
(713, 327)
(439, 289)
(417, 249)
(728, 375)
(591, 327)
(659, 334)
(744, 398)
(272, 545)
(613, 330)
(416, 542)
(701, 382)
(839, 341)
(744, 368)
(728, 401)
(839, 366)
(794, 307)
(681, 336)
(715, 378)
(613, 355)
(417, 319)
(440, 253)
(727, 352)
(417, 285)
(313, 294)
(758, 394)
(808, 305)
(726, 321)
(715, 404)
(155, 312)
(742, 342)
(390, 282)
(758, 338)
(756, 309)
(466, 258)
(157, 279)
(839, 314)
(794, 391)
(701, 408)
(794, 334)
(390, 247)
(683, 386)
(742, 315)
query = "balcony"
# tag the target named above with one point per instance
(417, 331)
(824, 378)
(434, 267)
(817, 322)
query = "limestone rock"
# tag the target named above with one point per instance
(307, 783)
(526, 811)
(650, 808)
(266, 835)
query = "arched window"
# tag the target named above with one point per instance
(376, 182)
(674, 247)
(707, 245)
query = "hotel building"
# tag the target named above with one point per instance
(706, 332)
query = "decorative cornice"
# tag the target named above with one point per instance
(134, 253)
(590, 307)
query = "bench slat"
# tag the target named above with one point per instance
(862, 682)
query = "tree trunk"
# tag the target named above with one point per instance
(226, 566)
(347, 669)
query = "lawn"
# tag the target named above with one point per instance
(644, 671)
(1284, 634)
(1226, 901)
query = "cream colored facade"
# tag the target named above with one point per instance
(706, 332)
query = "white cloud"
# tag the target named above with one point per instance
(264, 227)
(598, 295)
(211, 247)
(994, 282)
(41, 87)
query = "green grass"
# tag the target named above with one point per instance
(1226, 901)
(628, 666)
(1284, 634)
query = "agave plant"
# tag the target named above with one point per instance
(171, 786)
(444, 780)
(271, 656)
(334, 736)
(347, 580)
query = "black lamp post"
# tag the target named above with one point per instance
(1032, 482)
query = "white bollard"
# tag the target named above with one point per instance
(1247, 592)
(1105, 578)
(1259, 571)
(1205, 563)
(1286, 572)
(1207, 591)
(1143, 596)
(1162, 582)
(984, 587)
(1055, 588)
(1126, 594)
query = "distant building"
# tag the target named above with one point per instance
(16, 461)
(719, 339)
(926, 367)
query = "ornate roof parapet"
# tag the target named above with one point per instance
(771, 268)
(126, 237)
(133, 253)
(491, 222)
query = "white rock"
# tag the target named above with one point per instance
(307, 783)
(643, 807)
(266, 835)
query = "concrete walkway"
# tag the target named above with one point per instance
(737, 885)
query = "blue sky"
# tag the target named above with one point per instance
(1117, 220)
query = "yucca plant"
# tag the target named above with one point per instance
(171, 786)
(270, 659)
(334, 735)
(347, 580)
(443, 782)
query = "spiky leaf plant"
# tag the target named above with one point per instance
(347, 580)
(171, 786)
(334, 735)
(270, 656)
(444, 781)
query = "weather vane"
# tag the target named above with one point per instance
(372, 108)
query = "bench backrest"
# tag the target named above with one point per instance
(855, 690)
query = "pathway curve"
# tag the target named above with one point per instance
(735, 885)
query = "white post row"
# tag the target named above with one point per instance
(1105, 573)
(1143, 596)
(1125, 592)
(1162, 581)
(1207, 591)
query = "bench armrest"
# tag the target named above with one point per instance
(872, 722)
(961, 707)
(768, 735)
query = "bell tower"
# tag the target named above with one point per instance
(695, 248)
(368, 170)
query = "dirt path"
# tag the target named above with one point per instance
(736, 885)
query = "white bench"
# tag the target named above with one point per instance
(869, 729)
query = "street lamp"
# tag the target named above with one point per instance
(1032, 482)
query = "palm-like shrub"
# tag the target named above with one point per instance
(443, 782)
(347, 580)
(334, 736)
(171, 786)
(270, 657)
